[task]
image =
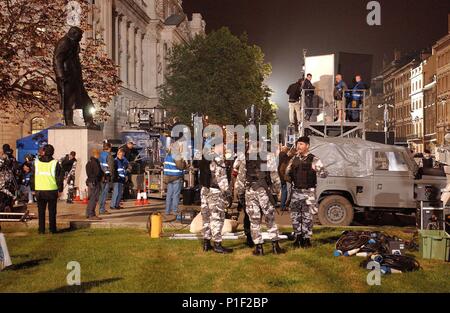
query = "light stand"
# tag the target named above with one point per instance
(386, 119)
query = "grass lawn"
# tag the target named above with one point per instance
(125, 260)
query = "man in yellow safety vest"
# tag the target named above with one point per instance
(48, 184)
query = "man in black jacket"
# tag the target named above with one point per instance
(95, 176)
(47, 181)
(295, 92)
(309, 94)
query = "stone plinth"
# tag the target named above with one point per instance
(79, 139)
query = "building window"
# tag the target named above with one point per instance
(37, 124)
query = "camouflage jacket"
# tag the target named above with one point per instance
(7, 181)
(219, 171)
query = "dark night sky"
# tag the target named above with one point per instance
(282, 28)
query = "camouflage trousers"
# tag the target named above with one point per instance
(302, 207)
(213, 205)
(71, 191)
(257, 203)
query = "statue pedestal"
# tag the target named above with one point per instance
(79, 139)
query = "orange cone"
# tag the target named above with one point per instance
(144, 198)
(77, 197)
(85, 197)
(138, 199)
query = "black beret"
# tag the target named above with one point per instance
(304, 139)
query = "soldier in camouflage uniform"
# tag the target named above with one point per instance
(69, 165)
(259, 175)
(214, 199)
(7, 184)
(239, 187)
(302, 172)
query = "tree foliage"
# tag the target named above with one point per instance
(29, 31)
(218, 75)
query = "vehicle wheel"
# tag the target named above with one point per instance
(335, 211)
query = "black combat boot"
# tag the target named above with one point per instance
(258, 250)
(249, 241)
(220, 249)
(276, 249)
(207, 245)
(298, 241)
(306, 243)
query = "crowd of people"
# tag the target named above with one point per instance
(294, 180)
(348, 102)
(44, 180)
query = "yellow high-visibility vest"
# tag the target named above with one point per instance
(45, 176)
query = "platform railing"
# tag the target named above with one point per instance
(318, 108)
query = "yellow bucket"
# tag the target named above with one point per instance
(155, 225)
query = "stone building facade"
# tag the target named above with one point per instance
(442, 51)
(429, 104)
(138, 35)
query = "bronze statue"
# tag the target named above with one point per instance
(69, 79)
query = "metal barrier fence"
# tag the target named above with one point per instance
(319, 107)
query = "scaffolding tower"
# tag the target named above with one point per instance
(320, 116)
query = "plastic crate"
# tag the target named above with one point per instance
(435, 244)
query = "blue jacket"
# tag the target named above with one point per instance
(170, 168)
(26, 179)
(358, 93)
(120, 170)
(104, 162)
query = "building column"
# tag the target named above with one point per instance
(116, 49)
(108, 24)
(123, 51)
(139, 60)
(150, 74)
(159, 63)
(131, 56)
